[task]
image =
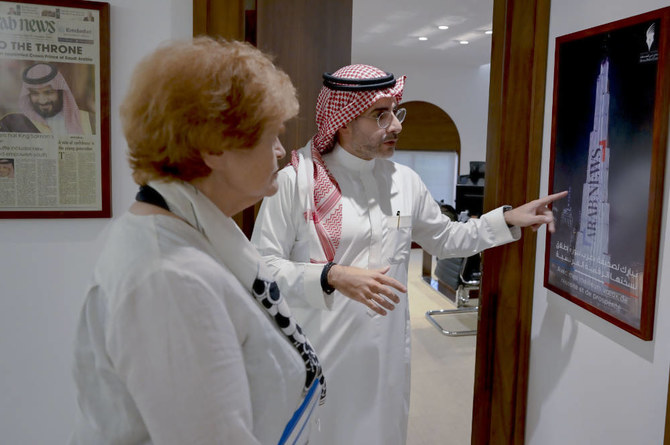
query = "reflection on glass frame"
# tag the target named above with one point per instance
(608, 144)
(54, 109)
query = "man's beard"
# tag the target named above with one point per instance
(53, 109)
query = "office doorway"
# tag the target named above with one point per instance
(511, 128)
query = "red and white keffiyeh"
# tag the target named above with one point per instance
(335, 109)
(32, 77)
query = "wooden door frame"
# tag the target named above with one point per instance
(514, 153)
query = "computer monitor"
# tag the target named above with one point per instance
(477, 172)
(470, 198)
(476, 175)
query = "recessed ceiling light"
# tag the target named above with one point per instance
(443, 27)
(463, 42)
(423, 38)
(490, 31)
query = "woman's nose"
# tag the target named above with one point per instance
(279, 149)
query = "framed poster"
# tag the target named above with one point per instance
(608, 143)
(54, 109)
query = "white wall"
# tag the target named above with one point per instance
(591, 382)
(463, 92)
(45, 264)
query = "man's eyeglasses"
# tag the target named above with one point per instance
(386, 117)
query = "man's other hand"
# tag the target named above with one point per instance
(372, 287)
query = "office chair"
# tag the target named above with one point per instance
(460, 275)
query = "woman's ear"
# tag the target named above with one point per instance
(215, 161)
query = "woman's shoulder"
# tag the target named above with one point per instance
(141, 248)
(145, 236)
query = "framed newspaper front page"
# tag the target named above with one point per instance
(54, 109)
(608, 149)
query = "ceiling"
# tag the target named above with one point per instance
(384, 29)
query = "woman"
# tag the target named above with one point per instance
(184, 338)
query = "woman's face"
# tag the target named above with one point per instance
(242, 177)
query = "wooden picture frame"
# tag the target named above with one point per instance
(54, 109)
(608, 148)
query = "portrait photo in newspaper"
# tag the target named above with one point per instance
(6, 168)
(54, 109)
(49, 98)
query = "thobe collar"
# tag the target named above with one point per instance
(340, 156)
(57, 124)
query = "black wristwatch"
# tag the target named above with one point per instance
(325, 285)
(507, 208)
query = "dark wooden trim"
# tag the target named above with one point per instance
(319, 40)
(219, 18)
(514, 151)
(307, 39)
(199, 17)
(230, 20)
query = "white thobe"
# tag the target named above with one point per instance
(57, 124)
(171, 349)
(365, 357)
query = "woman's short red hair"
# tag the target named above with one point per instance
(202, 95)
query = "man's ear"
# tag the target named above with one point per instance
(347, 127)
(343, 135)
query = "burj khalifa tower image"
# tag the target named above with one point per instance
(592, 243)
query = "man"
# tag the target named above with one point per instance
(342, 203)
(6, 168)
(47, 105)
